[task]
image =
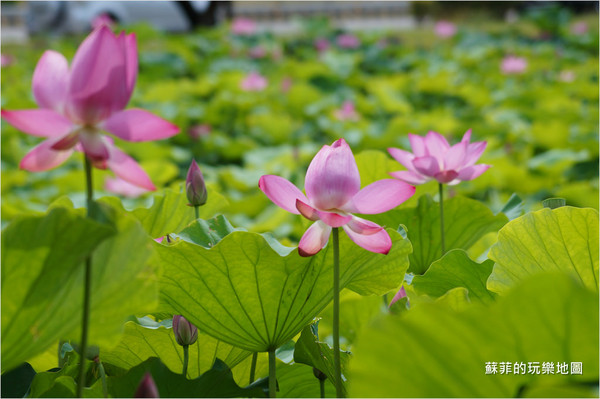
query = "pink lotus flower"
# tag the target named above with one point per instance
(103, 19)
(185, 332)
(399, 295)
(286, 84)
(348, 41)
(254, 82)
(347, 112)
(333, 193)
(566, 76)
(445, 29)
(513, 65)
(198, 131)
(257, 52)
(147, 388)
(76, 103)
(6, 60)
(243, 27)
(433, 158)
(321, 44)
(579, 28)
(124, 188)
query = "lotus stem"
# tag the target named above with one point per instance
(197, 212)
(186, 359)
(442, 218)
(87, 284)
(322, 386)
(272, 377)
(103, 378)
(253, 367)
(336, 313)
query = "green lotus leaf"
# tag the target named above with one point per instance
(434, 351)
(564, 239)
(248, 294)
(455, 270)
(466, 221)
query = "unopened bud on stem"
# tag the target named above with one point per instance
(194, 186)
(185, 332)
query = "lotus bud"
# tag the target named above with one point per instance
(194, 186)
(319, 374)
(147, 388)
(185, 332)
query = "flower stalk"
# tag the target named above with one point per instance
(87, 284)
(272, 378)
(336, 312)
(253, 367)
(186, 359)
(442, 218)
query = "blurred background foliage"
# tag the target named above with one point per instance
(541, 124)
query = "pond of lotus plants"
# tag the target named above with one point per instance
(231, 213)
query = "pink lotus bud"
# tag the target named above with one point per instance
(399, 295)
(347, 112)
(6, 60)
(103, 19)
(194, 186)
(185, 332)
(147, 388)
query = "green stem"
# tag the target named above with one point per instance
(87, 284)
(253, 367)
(336, 313)
(197, 212)
(272, 380)
(186, 359)
(103, 378)
(322, 386)
(442, 218)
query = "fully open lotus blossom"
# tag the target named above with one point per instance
(348, 41)
(347, 112)
(445, 29)
(513, 65)
(333, 193)
(78, 102)
(434, 158)
(124, 188)
(254, 81)
(243, 27)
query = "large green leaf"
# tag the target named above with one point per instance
(215, 383)
(41, 255)
(298, 381)
(170, 213)
(140, 343)
(248, 294)
(563, 239)
(433, 351)
(49, 307)
(308, 350)
(454, 270)
(466, 221)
